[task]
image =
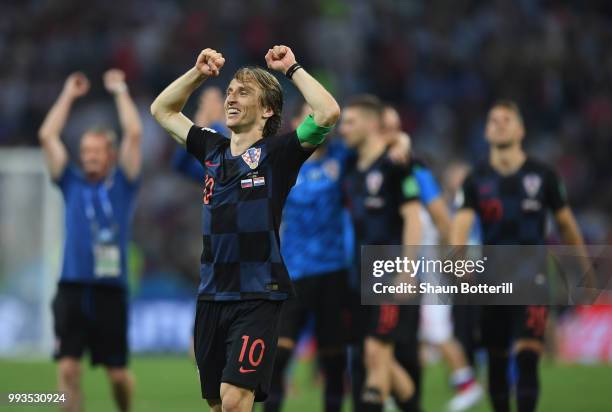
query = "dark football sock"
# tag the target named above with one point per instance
(499, 390)
(333, 366)
(407, 356)
(357, 374)
(277, 384)
(528, 386)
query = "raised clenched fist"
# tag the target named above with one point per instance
(280, 58)
(76, 85)
(209, 62)
(114, 81)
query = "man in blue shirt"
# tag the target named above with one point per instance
(90, 308)
(315, 254)
(248, 177)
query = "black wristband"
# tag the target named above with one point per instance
(291, 70)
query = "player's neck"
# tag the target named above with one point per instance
(97, 177)
(507, 160)
(369, 151)
(318, 153)
(241, 141)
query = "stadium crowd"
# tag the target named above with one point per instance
(439, 62)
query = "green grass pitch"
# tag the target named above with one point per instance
(170, 383)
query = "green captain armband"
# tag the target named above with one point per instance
(309, 132)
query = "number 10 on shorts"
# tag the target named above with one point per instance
(256, 346)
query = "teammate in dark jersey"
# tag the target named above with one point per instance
(435, 326)
(248, 177)
(383, 201)
(314, 251)
(512, 195)
(90, 308)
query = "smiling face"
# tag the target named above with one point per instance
(254, 101)
(243, 108)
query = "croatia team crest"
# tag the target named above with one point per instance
(251, 157)
(374, 181)
(532, 183)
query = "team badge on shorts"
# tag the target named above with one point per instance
(251, 157)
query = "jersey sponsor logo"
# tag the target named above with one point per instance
(251, 157)
(532, 183)
(243, 370)
(246, 183)
(259, 181)
(208, 163)
(485, 189)
(374, 181)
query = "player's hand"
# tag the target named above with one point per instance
(76, 85)
(280, 58)
(399, 149)
(114, 81)
(209, 62)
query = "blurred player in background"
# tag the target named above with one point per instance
(384, 206)
(436, 326)
(512, 194)
(90, 308)
(466, 318)
(314, 252)
(209, 113)
(248, 177)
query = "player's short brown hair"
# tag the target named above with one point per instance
(369, 103)
(271, 94)
(105, 131)
(508, 105)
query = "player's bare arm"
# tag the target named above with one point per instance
(399, 148)
(441, 218)
(167, 107)
(410, 212)
(568, 228)
(325, 109)
(76, 85)
(571, 235)
(461, 226)
(130, 157)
